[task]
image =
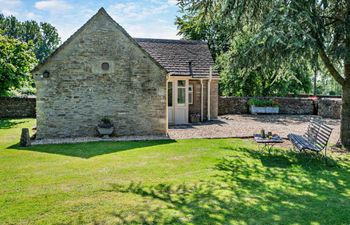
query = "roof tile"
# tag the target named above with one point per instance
(180, 57)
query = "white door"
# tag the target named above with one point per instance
(181, 102)
(170, 102)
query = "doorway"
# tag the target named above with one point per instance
(178, 102)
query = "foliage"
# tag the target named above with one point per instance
(326, 85)
(287, 34)
(25, 90)
(191, 27)
(42, 39)
(157, 182)
(238, 57)
(16, 61)
(242, 69)
(262, 102)
(44, 36)
(105, 123)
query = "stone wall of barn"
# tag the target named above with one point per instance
(129, 88)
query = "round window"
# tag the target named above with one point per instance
(105, 66)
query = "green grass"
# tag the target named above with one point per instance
(225, 181)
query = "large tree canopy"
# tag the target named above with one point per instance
(42, 39)
(286, 34)
(242, 68)
(235, 48)
(16, 61)
(44, 36)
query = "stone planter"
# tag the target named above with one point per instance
(264, 110)
(105, 132)
(195, 118)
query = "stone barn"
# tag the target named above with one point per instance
(141, 85)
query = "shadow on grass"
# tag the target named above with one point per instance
(250, 188)
(92, 149)
(9, 123)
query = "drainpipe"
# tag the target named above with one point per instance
(166, 102)
(209, 83)
(202, 99)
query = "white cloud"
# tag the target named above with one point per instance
(160, 30)
(32, 16)
(134, 11)
(172, 2)
(10, 3)
(7, 12)
(146, 19)
(66, 30)
(52, 5)
(8, 7)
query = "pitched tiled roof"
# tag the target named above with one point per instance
(180, 57)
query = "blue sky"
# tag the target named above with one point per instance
(144, 18)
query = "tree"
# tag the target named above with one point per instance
(290, 30)
(191, 27)
(241, 69)
(10, 26)
(16, 61)
(228, 46)
(44, 36)
(48, 42)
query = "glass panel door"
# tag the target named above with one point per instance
(181, 92)
(181, 102)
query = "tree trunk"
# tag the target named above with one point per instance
(345, 117)
(345, 113)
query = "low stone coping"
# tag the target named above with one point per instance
(97, 139)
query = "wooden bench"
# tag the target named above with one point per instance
(315, 139)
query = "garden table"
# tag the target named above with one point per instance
(268, 143)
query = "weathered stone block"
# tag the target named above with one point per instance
(25, 138)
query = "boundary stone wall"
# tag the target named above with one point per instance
(329, 108)
(288, 105)
(20, 107)
(17, 107)
(325, 107)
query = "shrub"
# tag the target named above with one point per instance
(105, 123)
(262, 102)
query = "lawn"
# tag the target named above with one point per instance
(222, 181)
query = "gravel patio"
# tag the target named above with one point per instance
(227, 126)
(244, 126)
